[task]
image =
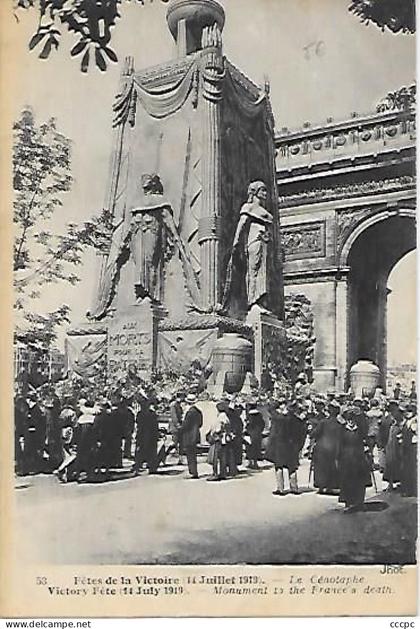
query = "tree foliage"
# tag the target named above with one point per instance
(399, 16)
(90, 22)
(42, 254)
(402, 99)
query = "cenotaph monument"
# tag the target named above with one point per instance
(193, 267)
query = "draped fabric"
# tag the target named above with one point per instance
(165, 101)
(247, 106)
(158, 133)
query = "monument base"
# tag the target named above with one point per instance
(141, 336)
(269, 339)
(192, 339)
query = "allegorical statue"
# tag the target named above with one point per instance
(149, 235)
(149, 238)
(253, 235)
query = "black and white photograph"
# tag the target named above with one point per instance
(214, 271)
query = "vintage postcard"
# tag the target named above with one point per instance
(209, 402)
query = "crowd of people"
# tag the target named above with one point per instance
(86, 438)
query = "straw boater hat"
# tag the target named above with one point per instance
(191, 398)
(334, 404)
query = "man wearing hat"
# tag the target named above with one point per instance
(236, 424)
(189, 433)
(147, 437)
(297, 431)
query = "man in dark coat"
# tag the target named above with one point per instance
(112, 431)
(21, 412)
(297, 429)
(35, 435)
(413, 392)
(189, 432)
(325, 452)
(53, 430)
(237, 427)
(147, 437)
(127, 418)
(278, 446)
(397, 391)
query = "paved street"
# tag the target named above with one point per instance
(169, 518)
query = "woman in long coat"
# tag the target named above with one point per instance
(278, 445)
(353, 466)
(393, 451)
(255, 427)
(325, 453)
(409, 453)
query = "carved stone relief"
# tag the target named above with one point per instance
(304, 241)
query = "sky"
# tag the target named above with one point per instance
(321, 62)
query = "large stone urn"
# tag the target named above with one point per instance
(364, 378)
(232, 355)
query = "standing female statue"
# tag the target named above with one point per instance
(148, 234)
(253, 234)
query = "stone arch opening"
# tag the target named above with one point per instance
(401, 328)
(371, 254)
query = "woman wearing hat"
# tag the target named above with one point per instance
(353, 465)
(393, 448)
(86, 440)
(384, 426)
(324, 457)
(409, 452)
(255, 427)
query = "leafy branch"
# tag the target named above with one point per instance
(41, 178)
(89, 21)
(402, 99)
(399, 16)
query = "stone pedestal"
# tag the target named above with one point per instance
(269, 339)
(232, 360)
(364, 378)
(132, 339)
